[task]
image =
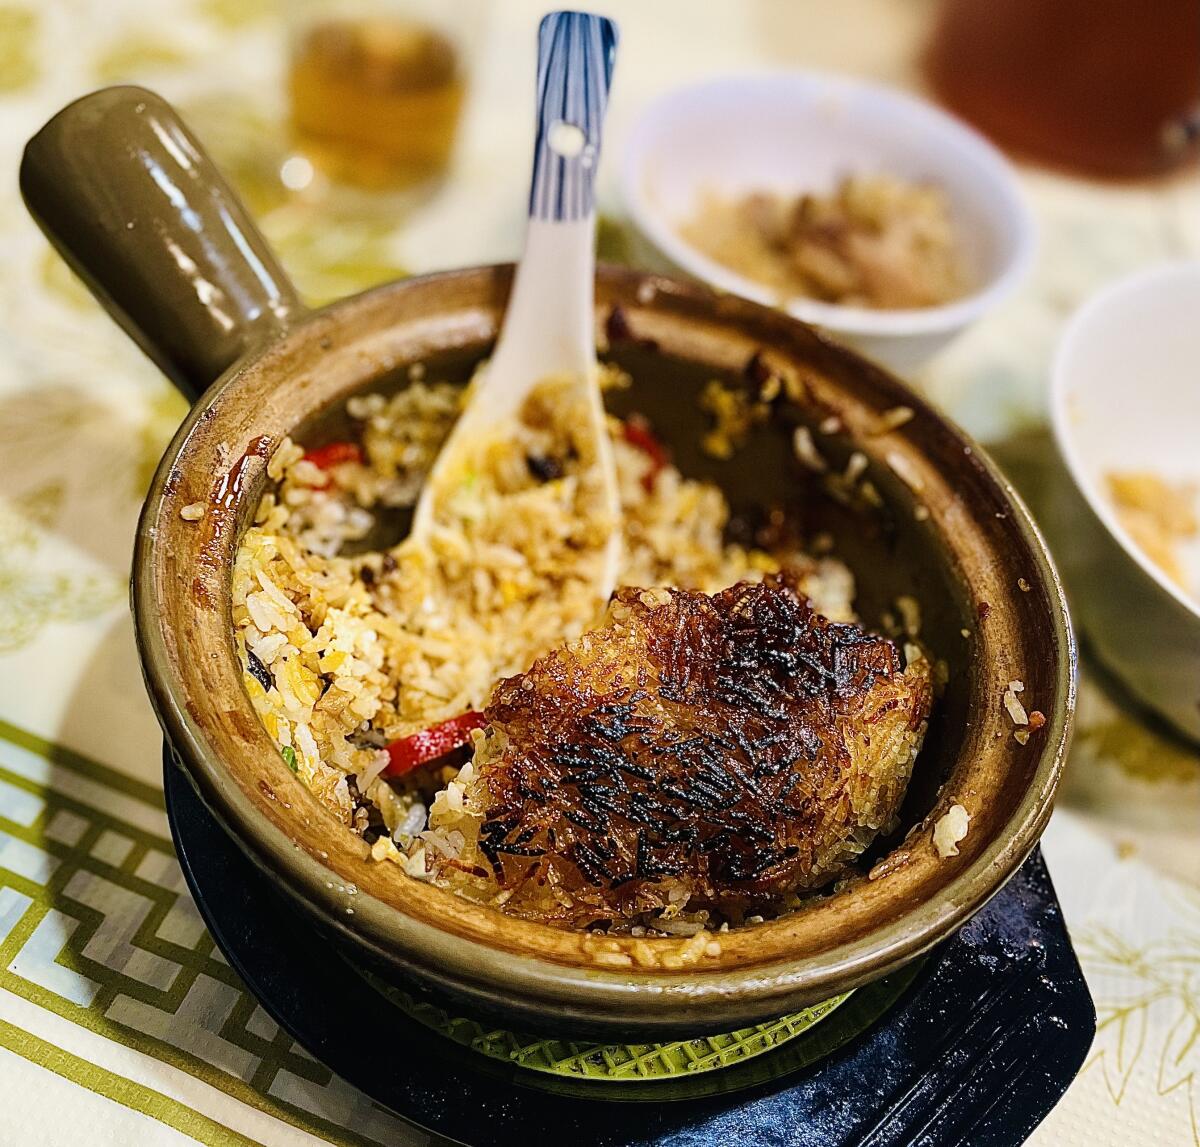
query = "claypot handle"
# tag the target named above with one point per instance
(134, 205)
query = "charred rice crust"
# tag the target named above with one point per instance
(703, 739)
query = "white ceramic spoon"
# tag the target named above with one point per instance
(549, 327)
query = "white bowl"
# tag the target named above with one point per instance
(1125, 395)
(799, 131)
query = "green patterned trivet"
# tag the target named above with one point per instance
(608, 1062)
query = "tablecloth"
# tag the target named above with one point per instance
(119, 1021)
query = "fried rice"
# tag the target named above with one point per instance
(346, 652)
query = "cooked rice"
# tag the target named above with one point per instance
(950, 829)
(1012, 703)
(871, 241)
(1159, 516)
(360, 650)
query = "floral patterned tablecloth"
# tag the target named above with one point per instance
(119, 1021)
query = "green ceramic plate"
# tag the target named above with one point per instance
(608, 1062)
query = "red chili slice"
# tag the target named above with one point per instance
(334, 454)
(430, 744)
(637, 433)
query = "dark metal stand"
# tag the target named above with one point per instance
(976, 1049)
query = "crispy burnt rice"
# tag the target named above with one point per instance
(719, 752)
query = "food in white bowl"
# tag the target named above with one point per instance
(804, 133)
(1160, 517)
(873, 241)
(1124, 403)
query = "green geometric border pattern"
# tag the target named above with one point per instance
(633, 1063)
(96, 927)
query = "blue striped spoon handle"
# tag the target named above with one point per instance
(549, 328)
(576, 52)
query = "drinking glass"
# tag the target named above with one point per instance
(376, 87)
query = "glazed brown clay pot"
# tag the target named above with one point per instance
(125, 193)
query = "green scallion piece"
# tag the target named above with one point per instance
(289, 757)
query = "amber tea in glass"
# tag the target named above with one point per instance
(375, 99)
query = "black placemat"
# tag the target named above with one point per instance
(976, 1050)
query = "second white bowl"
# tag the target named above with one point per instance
(804, 131)
(1125, 396)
